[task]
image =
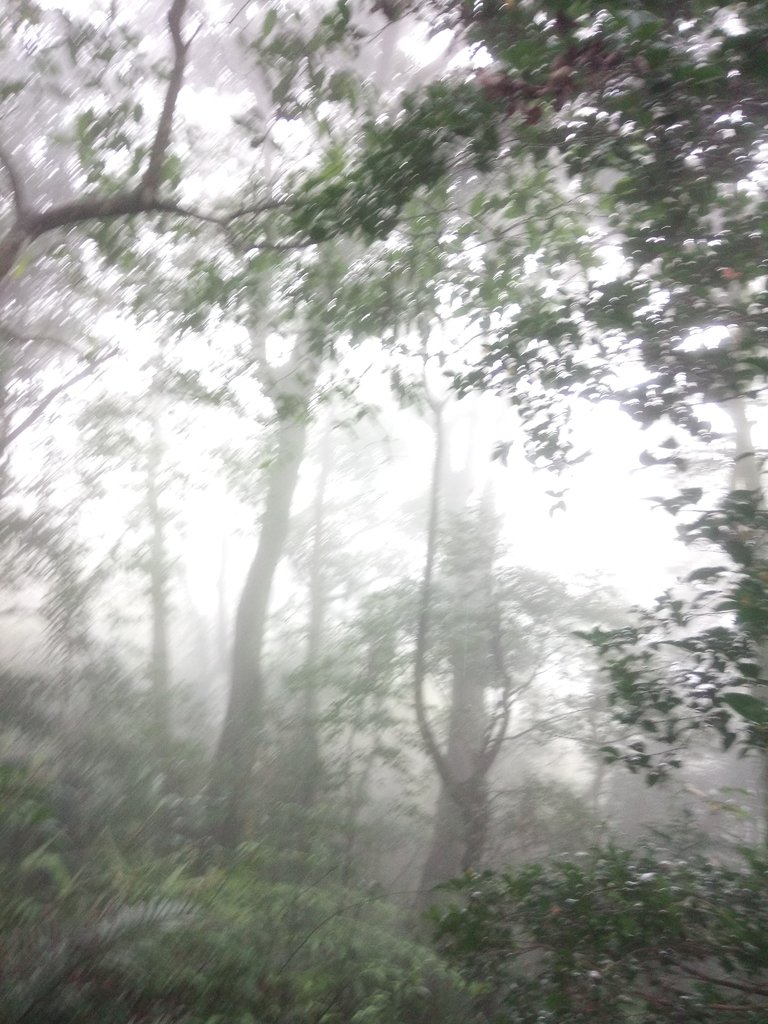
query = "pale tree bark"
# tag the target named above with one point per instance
(231, 772)
(223, 614)
(475, 732)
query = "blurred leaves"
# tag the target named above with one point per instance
(612, 936)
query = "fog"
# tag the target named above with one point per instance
(383, 610)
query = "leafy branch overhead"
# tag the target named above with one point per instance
(30, 223)
(395, 158)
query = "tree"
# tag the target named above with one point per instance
(653, 121)
(234, 758)
(498, 632)
(29, 223)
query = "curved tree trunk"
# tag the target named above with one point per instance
(230, 780)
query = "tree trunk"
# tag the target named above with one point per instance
(459, 833)
(460, 828)
(310, 766)
(158, 591)
(5, 424)
(747, 476)
(230, 779)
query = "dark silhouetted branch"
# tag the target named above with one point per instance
(153, 175)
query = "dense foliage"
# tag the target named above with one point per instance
(614, 936)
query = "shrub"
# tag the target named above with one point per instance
(614, 936)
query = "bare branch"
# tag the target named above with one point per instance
(539, 725)
(152, 179)
(256, 208)
(124, 204)
(32, 224)
(98, 207)
(740, 986)
(177, 210)
(299, 243)
(79, 211)
(43, 404)
(130, 204)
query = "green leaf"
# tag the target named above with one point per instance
(707, 572)
(477, 205)
(749, 707)
(283, 87)
(270, 20)
(10, 88)
(172, 170)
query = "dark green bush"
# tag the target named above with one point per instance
(614, 936)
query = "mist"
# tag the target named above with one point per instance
(384, 592)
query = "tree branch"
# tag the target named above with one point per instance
(739, 986)
(153, 175)
(125, 204)
(256, 208)
(17, 185)
(11, 245)
(30, 225)
(299, 243)
(498, 728)
(21, 337)
(43, 404)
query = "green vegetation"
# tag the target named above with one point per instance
(613, 936)
(305, 716)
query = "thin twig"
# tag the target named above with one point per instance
(740, 986)
(43, 404)
(255, 208)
